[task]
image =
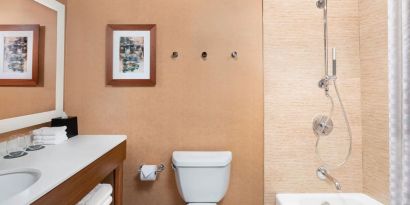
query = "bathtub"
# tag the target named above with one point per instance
(325, 199)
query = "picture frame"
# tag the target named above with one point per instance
(131, 55)
(19, 55)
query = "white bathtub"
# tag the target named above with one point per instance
(325, 199)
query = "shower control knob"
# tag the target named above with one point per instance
(322, 125)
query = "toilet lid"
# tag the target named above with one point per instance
(201, 204)
(201, 159)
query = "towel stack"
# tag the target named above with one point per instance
(50, 135)
(100, 195)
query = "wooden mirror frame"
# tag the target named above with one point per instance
(16, 123)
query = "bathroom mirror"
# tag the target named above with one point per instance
(28, 106)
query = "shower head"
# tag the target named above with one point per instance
(321, 4)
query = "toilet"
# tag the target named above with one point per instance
(202, 177)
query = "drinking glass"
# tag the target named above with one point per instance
(3, 149)
(15, 147)
(31, 145)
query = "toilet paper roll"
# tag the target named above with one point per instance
(148, 173)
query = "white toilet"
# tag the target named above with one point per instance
(202, 177)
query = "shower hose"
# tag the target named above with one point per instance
(327, 120)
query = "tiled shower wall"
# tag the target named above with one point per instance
(293, 64)
(374, 84)
(293, 61)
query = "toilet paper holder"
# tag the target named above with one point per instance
(160, 168)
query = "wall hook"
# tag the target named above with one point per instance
(174, 54)
(234, 55)
(204, 55)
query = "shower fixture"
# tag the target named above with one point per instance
(324, 175)
(321, 4)
(323, 123)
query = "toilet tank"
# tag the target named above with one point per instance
(202, 176)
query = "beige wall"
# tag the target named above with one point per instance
(374, 76)
(215, 104)
(28, 100)
(293, 61)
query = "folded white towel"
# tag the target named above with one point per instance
(50, 131)
(51, 137)
(87, 197)
(100, 195)
(103, 192)
(107, 201)
(49, 141)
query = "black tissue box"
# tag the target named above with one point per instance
(70, 122)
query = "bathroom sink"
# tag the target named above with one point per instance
(13, 182)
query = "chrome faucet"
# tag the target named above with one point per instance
(322, 174)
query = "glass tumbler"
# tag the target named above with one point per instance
(31, 145)
(3, 151)
(15, 147)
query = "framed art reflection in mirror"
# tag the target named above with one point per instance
(19, 55)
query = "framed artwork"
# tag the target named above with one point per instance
(131, 55)
(19, 55)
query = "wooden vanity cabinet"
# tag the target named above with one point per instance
(76, 187)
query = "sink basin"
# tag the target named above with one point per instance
(13, 182)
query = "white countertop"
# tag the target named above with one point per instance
(57, 163)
